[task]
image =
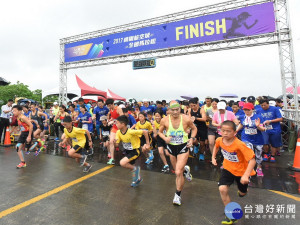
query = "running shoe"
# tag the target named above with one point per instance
(259, 172)
(27, 152)
(173, 171)
(86, 169)
(177, 200)
(149, 160)
(21, 165)
(111, 162)
(33, 146)
(136, 174)
(82, 160)
(37, 152)
(136, 183)
(151, 156)
(56, 139)
(229, 221)
(272, 159)
(278, 153)
(201, 157)
(266, 157)
(165, 169)
(187, 173)
(68, 148)
(196, 149)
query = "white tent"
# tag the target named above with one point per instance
(73, 89)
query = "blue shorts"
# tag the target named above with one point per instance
(273, 139)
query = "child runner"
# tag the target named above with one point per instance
(161, 144)
(131, 143)
(25, 137)
(144, 124)
(239, 161)
(252, 128)
(78, 142)
(104, 130)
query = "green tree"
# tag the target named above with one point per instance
(13, 91)
(37, 95)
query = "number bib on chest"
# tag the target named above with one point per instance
(176, 140)
(85, 126)
(230, 156)
(74, 139)
(250, 131)
(127, 146)
(105, 133)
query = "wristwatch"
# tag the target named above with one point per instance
(193, 138)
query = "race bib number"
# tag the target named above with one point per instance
(105, 133)
(176, 140)
(127, 146)
(128, 126)
(250, 131)
(269, 127)
(22, 128)
(74, 139)
(85, 126)
(230, 156)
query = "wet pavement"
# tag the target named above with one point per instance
(107, 198)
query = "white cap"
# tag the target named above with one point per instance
(221, 105)
(272, 103)
(55, 103)
(122, 106)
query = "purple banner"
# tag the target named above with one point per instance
(248, 21)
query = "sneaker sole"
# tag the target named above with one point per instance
(136, 184)
(174, 203)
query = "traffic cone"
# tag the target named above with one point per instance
(7, 141)
(296, 165)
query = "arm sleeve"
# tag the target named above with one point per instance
(247, 152)
(117, 137)
(136, 132)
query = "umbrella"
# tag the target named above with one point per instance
(290, 96)
(228, 95)
(187, 97)
(3, 82)
(291, 90)
(269, 97)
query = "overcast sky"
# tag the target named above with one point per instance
(29, 42)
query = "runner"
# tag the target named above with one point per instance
(104, 133)
(208, 102)
(38, 127)
(26, 112)
(24, 141)
(239, 161)
(271, 119)
(114, 113)
(238, 114)
(99, 111)
(178, 144)
(131, 143)
(131, 120)
(79, 137)
(212, 130)
(57, 122)
(45, 123)
(161, 145)
(198, 117)
(144, 124)
(85, 119)
(252, 128)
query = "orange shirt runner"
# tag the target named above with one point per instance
(236, 156)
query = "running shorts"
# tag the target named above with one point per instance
(132, 155)
(273, 139)
(177, 149)
(22, 139)
(201, 134)
(160, 142)
(228, 178)
(77, 149)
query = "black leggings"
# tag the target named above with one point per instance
(56, 126)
